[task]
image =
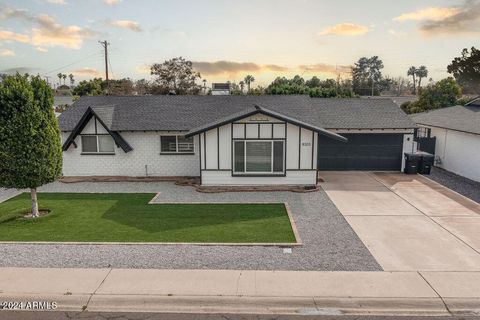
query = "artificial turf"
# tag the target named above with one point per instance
(127, 217)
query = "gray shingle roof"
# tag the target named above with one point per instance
(182, 113)
(461, 118)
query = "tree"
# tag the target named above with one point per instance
(142, 87)
(412, 71)
(59, 75)
(92, 87)
(64, 76)
(242, 85)
(248, 80)
(422, 72)
(176, 76)
(314, 87)
(121, 87)
(72, 80)
(30, 149)
(313, 83)
(444, 93)
(466, 70)
(365, 73)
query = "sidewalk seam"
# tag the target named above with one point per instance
(84, 308)
(438, 294)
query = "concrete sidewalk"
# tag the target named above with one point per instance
(260, 292)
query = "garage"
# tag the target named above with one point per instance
(361, 152)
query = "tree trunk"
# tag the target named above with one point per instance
(33, 193)
(414, 85)
(419, 82)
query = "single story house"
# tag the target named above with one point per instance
(457, 133)
(232, 140)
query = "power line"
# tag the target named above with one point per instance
(72, 63)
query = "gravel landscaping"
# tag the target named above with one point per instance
(462, 185)
(329, 243)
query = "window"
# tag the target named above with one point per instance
(176, 144)
(101, 144)
(258, 156)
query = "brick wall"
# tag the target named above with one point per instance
(146, 152)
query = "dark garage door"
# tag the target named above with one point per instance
(361, 152)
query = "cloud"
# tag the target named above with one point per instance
(51, 34)
(325, 68)
(430, 13)
(47, 32)
(40, 49)
(57, 1)
(143, 69)
(12, 36)
(111, 2)
(465, 21)
(6, 53)
(231, 67)
(397, 33)
(21, 70)
(126, 24)
(345, 29)
(90, 72)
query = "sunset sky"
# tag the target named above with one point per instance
(229, 39)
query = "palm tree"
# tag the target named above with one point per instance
(413, 72)
(59, 75)
(422, 72)
(248, 80)
(72, 80)
(242, 85)
(64, 76)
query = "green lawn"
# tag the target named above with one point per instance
(128, 218)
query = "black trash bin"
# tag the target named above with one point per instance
(426, 163)
(412, 161)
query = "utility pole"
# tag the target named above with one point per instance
(105, 47)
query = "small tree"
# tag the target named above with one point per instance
(466, 70)
(176, 76)
(72, 79)
(30, 149)
(248, 80)
(412, 71)
(422, 72)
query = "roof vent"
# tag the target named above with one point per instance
(219, 89)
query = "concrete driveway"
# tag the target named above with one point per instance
(408, 222)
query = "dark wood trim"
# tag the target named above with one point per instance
(200, 155)
(96, 131)
(245, 131)
(231, 146)
(258, 125)
(313, 145)
(299, 145)
(177, 153)
(97, 153)
(272, 131)
(258, 122)
(222, 170)
(218, 148)
(283, 174)
(205, 148)
(286, 143)
(93, 134)
(266, 139)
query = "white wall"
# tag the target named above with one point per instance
(459, 152)
(408, 146)
(146, 151)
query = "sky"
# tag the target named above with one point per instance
(227, 40)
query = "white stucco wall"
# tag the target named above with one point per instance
(146, 152)
(458, 152)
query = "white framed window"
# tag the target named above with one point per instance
(176, 144)
(97, 144)
(258, 157)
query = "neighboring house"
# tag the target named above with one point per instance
(457, 133)
(232, 140)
